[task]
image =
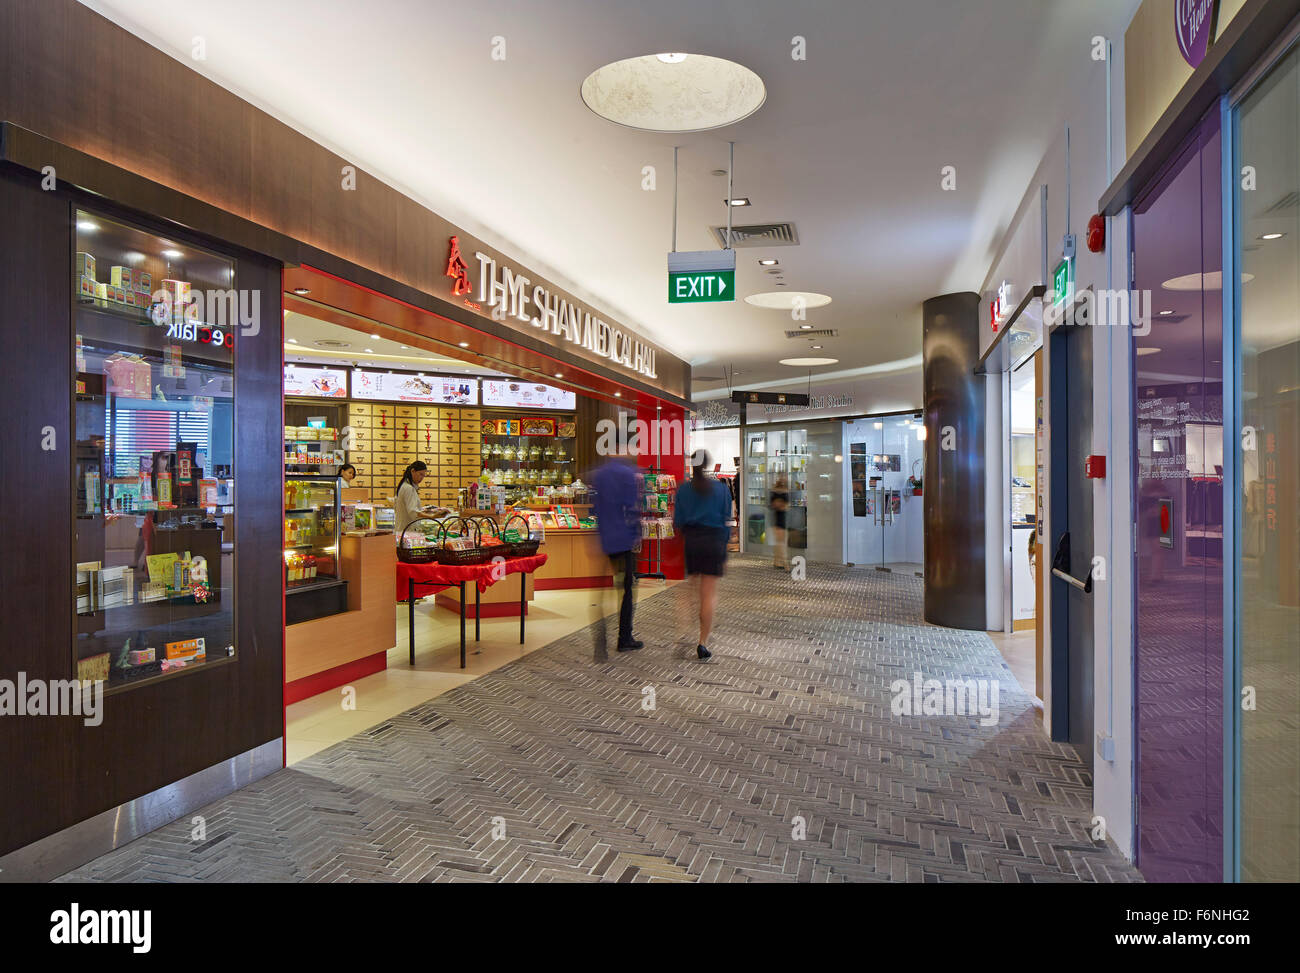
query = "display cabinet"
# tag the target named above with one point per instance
(312, 512)
(153, 461)
(522, 452)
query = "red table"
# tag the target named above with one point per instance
(449, 575)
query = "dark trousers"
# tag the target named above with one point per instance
(625, 563)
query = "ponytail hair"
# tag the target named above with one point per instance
(416, 467)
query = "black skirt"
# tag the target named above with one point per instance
(706, 550)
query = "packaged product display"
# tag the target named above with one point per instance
(153, 453)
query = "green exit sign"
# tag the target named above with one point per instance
(701, 286)
(1062, 282)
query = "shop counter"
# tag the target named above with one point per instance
(328, 652)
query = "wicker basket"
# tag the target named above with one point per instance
(524, 548)
(415, 555)
(473, 555)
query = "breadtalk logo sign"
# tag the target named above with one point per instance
(510, 294)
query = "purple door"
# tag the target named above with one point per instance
(1177, 241)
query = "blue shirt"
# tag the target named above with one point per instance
(709, 509)
(617, 506)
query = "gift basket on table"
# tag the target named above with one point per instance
(519, 543)
(420, 547)
(464, 545)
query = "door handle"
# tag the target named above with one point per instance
(1061, 566)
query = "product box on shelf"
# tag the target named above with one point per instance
(121, 277)
(93, 668)
(186, 649)
(143, 281)
(85, 264)
(138, 657)
(86, 287)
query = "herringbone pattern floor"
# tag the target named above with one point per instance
(553, 769)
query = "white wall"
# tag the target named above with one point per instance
(1113, 792)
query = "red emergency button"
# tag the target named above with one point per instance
(1094, 467)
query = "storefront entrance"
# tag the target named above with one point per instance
(885, 478)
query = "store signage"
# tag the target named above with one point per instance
(701, 276)
(511, 296)
(1000, 305)
(770, 398)
(322, 383)
(516, 393)
(1063, 282)
(405, 387)
(714, 414)
(1194, 22)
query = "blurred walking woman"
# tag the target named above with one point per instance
(700, 513)
(407, 505)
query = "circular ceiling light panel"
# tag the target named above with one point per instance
(808, 362)
(1213, 281)
(674, 92)
(788, 300)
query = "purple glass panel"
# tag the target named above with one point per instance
(1179, 570)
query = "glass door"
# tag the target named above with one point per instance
(1264, 443)
(885, 485)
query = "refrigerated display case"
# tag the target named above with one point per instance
(312, 515)
(153, 461)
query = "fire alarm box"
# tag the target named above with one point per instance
(1094, 467)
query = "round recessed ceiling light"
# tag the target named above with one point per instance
(618, 395)
(816, 347)
(804, 362)
(788, 300)
(769, 262)
(370, 351)
(1166, 312)
(1213, 281)
(301, 290)
(692, 94)
(464, 344)
(293, 341)
(1266, 236)
(172, 254)
(375, 336)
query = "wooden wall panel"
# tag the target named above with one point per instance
(155, 734)
(76, 78)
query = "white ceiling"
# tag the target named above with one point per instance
(849, 145)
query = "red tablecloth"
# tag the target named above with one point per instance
(485, 575)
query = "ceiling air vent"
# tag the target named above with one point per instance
(331, 343)
(815, 333)
(758, 235)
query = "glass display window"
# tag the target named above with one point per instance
(153, 466)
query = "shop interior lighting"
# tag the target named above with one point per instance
(769, 262)
(1166, 311)
(375, 336)
(464, 344)
(87, 226)
(302, 290)
(293, 341)
(1272, 236)
(738, 201)
(671, 58)
(172, 254)
(805, 362)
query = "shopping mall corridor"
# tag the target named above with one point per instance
(553, 768)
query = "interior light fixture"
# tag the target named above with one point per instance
(172, 254)
(805, 327)
(559, 375)
(788, 300)
(618, 395)
(1166, 311)
(292, 341)
(805, 362)
(769, 262)
(464, 344)
(87, 226)
(738, 201)
(817, 347)
(673, 92)
(370, 351)
(1272, 236)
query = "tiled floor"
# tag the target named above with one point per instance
(780, 761)
(322, 720)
